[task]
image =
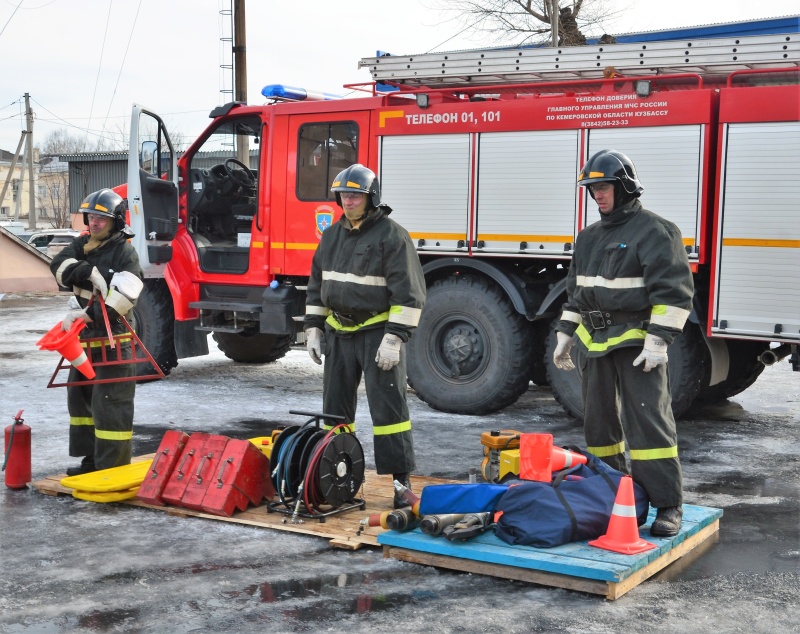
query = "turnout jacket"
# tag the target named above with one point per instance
(367, 277)
(72, 267)
(632, 267)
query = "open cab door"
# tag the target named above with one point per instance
(152, 191)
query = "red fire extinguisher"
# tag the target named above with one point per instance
(18, 453)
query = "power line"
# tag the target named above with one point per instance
(100, 62)
(12, 15)
(122, 65)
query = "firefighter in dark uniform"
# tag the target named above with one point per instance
(629, 293)
(364, 299)
(101, 263)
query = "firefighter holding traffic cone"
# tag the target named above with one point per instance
(102, 270)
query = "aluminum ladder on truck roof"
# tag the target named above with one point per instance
(521, 65)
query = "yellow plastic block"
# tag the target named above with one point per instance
(509, 462)
(264, 444)
(114, 479)
(106, 496)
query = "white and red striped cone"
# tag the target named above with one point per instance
(68, 345)
(564, 459)
(622, 535)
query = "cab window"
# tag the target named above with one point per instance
(324, 150)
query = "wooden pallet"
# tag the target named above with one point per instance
(342, 530)
(575, 566)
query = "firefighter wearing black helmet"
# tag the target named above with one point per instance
(629, 293)
(101, 263)
(364, 299)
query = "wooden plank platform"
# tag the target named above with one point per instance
(575, 566)
(341, 530)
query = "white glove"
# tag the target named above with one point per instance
(99, 282)
(653, 354)
(389, 352)
(314, 344)
(70, 318)
(561, 356)
(128, 284)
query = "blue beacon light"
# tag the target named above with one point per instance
(280, 91)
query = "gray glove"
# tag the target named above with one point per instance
(389, 352)
(314, 344)
(561, 356)
(653, 354)
(70, 318)
(99, 282)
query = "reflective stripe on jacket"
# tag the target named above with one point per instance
(631, 260)
(370, 275)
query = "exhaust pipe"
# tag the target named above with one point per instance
(773, 355)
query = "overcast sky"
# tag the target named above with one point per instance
(84, 62)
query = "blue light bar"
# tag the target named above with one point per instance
(279, 91)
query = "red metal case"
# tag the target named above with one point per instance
(242, 477)
(164, 462)
(178, 480)
(200, 477)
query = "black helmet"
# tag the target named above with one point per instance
(358, 178)
(610, 166)
(105, 202)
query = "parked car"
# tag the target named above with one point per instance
(59, 241)
(58, 238)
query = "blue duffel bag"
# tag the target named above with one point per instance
(438, 499)
(565, 510)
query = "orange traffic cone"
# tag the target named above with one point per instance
(67, 344)
(622, 535)
(563, 459)
(535, 455)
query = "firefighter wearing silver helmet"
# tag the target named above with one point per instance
(363, 301)
(102, 263)
(629, 293)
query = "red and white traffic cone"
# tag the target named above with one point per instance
(68, 345)
(622, 535)
(564, 459)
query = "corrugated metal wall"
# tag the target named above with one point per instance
(89, 172)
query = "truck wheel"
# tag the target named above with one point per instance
(471, 353)
(689, 368)
(155, 321)
(538, 374)
(744, 368)
(252, 347)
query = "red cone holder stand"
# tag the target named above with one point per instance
(139, 354)
(312, 469)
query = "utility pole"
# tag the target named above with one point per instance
(554, 23)
(240, 72)
(29, 153)
(10, 175)
(239, 52)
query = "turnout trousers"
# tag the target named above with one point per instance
(348, 358)
(101, 416)
(623, 403)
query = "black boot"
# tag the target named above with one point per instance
(667, 522)
(405, 480)
(86, 466)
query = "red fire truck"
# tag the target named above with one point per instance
(477, 153)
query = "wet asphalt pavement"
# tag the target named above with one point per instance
(73, 566)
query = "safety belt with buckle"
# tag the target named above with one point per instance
(599, 319)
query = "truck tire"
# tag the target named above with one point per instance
(471, 353)
(689, 369)
(252, 347)
(155, 321)
(743, 370)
